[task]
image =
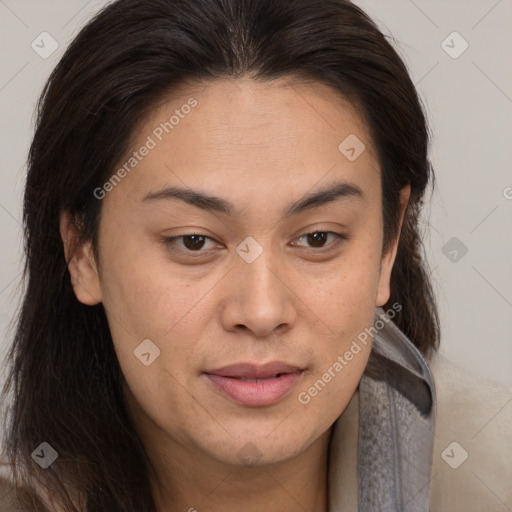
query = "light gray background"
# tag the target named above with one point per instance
(469, 104)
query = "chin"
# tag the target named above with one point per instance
(260, 446)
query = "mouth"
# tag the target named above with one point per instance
(245, 379)
(251, 385)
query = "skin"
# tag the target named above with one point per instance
(260, 146)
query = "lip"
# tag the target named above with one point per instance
(269, 382)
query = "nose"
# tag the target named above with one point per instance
(260, 297)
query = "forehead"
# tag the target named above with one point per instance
(251, 137)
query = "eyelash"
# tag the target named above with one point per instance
(169, 242)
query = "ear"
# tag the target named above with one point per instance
(81, 263)
(384, 290)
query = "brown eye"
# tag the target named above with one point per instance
(317, 239)
(193, 242)
(189, 243)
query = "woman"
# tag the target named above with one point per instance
(227, 304)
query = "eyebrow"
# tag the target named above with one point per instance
(334, 192)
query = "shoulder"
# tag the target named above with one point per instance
(8, 502)
(9, 493)
(471, 467)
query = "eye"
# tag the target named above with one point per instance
(190, 243)
(195, 243)
(318, 239)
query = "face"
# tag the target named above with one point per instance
(218, 266)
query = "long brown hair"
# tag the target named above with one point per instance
(65, 380)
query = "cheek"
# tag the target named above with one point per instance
(342, 293)
(326, 393)
(144, 301)
(144, 304)
(143, 289)
(342, 354)
(345, 303)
